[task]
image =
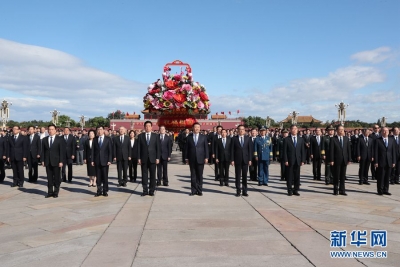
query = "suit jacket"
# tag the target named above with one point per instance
(102, 155)
(166, 147)
(365, 150)
(214, 141)
(35, 146)
(87, 150)
(196, 153)
(239, 154)
(3, 147)
(385, 156)
(151, 151)
(337, 153)
(70, 148)
(316, 150)
(133, 150)
(52, 156)
(291, 154)
(121, 150)
(18, 149)
(224, 154)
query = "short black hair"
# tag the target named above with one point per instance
(146, 122)
(98, 127)
(51, 125)
(240, 125)
(219, 126)
(30, 127)
(196, 123)
(19, 128)
(292, 126)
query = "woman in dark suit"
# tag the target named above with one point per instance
(133, 156)
(87, 156)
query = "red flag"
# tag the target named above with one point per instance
(222, 112)
(229, 113)
(127, 114)
(237, 111)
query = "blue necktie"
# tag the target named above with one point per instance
(223, 142)
(386, 142)
(101, 142)
(195, 139)
(241, 141)
(148, 139)
(295, 142)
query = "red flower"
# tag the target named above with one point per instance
(180, 98)
(203, 96)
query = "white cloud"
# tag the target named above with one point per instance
(373, 56)
(61, 81)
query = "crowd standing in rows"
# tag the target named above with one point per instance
(248, 151)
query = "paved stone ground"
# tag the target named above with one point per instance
(268, 228)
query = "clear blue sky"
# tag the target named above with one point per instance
(262, 57)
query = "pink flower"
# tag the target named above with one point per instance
(177, 77)
(168, 95)
(200, 105)
(186, 87)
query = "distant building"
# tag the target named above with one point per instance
(301, 120)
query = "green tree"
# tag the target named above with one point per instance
(62, 120)
(118, 115)
(254, 122)
(98, 121)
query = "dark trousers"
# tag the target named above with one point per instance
(132, 169)
(224, 172)
(395, 173)
(328, 173)
(216, 170)
(283, 170)
(2, 171)
(196, 177)
(102, 178)
(316, 166)
(122, 169)
(18, 172)
(382, 179)
(293, 177)
(253, 169)
(33, 169)
(162, 171)
(308, 154)
(373, 170)
(147, 167)
(53, 179)
(64, 175)
(241, 172)
(339, 176)
(363, 170)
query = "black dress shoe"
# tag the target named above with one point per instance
(158, 184)
(360, 183)
(326, 183)
(265, 184)
(245, 194)
(97, 195)
(165, 184)
(259, 184)
(380, 194)
(124, 184)
(144, 194)
(48, 195)
(343, 194)
(290, 193)
(192, 194)
(200, 194)
(335, 193)
(70, 181)
(226, 184)
(392, 183)
(387, 193)
(119, 185)
(151, 194)
(296, 194)
(55, 195)
(237, 195)
(366, 183)
(221, 184)
(397, 182)
(13, 185)
(20, 186)
(105, 194)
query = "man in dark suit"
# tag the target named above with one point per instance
(214, 141)
(307, 139)
(294, 156)
(121, 155)
(70, 151)
(52, 157)
(364, 155)
(166, 150)
(279, 153)
(396, 171)
(18, 152)
(385, 160)
(149, 152)
(3, 154)
(102, 150)
(210, 138)
(223, 157)
(196, 155)
(253, 169)
(241, 155)
(339, 158)
(34, 154)
(184, 137)
(374, 135)
(316, 147)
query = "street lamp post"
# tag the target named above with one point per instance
(341, 107)
(5, 112)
